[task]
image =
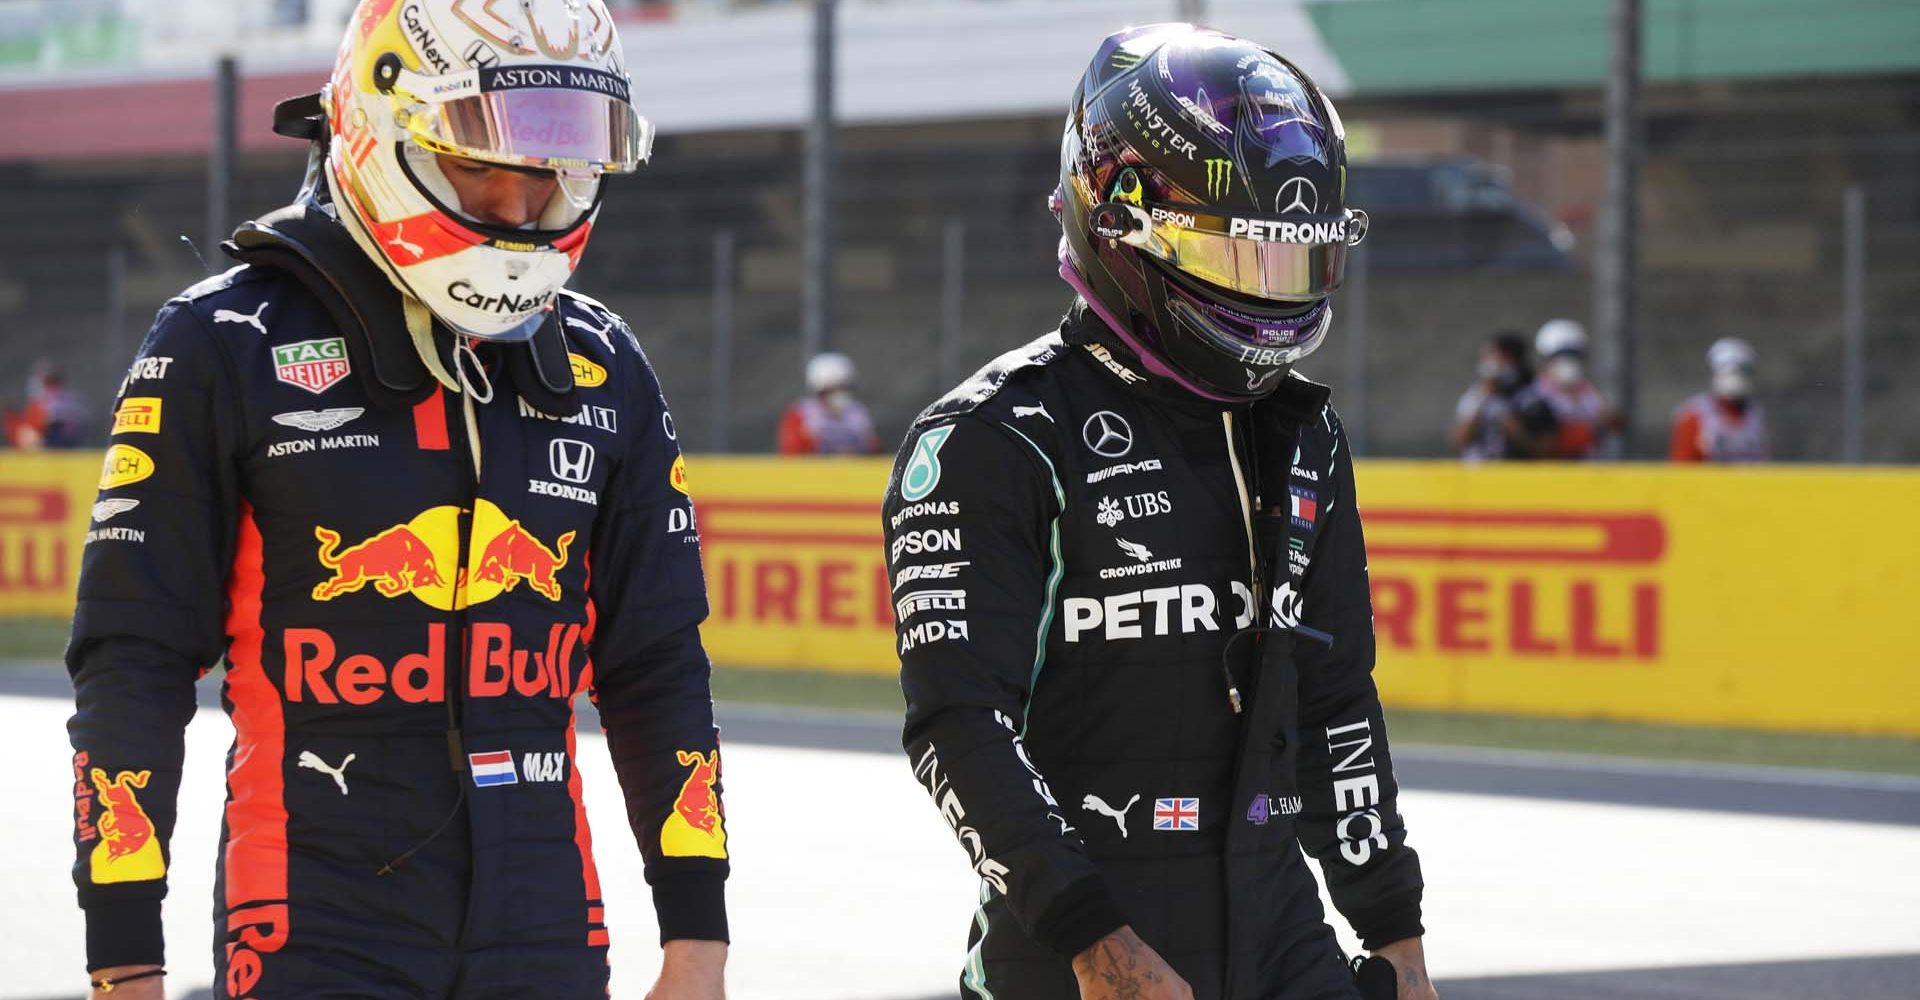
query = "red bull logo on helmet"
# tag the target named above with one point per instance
(421, 558)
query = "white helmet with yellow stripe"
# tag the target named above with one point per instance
(534, 85)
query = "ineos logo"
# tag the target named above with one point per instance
(1297, 195)
(1107, 434)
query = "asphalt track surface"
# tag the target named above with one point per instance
(1861, 798)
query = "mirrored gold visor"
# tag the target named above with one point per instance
(1296, 258)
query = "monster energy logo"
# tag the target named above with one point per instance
(1126, 60)
(1219, 178)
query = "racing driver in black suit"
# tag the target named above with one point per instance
(1134, 627)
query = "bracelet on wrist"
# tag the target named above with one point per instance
(107, 984)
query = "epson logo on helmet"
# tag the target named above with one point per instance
(509, 304)
(1269, 231)
(1182, 219)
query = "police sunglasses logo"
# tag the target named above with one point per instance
(1107, 434)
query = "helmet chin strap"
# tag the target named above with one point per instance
(1148, 359)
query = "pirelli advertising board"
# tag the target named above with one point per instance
(1778, 597)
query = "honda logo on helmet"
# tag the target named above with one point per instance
(1297, 195)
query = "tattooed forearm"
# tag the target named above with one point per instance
(1123, 967)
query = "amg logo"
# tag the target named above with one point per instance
(1124, 468)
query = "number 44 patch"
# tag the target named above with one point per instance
(923, 469)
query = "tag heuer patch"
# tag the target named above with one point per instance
(313, 365)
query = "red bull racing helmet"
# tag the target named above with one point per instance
(536, 85)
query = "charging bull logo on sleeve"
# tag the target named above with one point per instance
(515, 555)
(128, 851)
(697, 826)
(421, 558)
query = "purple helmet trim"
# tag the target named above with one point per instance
(1147, 358)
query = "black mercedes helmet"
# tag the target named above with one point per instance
(1202, 196)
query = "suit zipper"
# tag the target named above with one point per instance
(455, 664)
(1253, 556)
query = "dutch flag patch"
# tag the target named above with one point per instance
(495, 768)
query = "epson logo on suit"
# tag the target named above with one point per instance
(914, 543)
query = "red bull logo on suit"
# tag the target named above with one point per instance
(421, 557)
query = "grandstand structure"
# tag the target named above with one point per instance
(1760, 114)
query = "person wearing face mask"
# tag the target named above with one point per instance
(828, 420)
(1562, 414)
(1485, 423)
(1725, 423)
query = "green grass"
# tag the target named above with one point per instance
(45, 638)
(33, 638)
(810, 689)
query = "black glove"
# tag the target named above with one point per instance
(1376, 978)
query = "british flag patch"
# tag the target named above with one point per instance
(1176, 814)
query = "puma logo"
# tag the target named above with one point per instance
(1039, 410)
(311, 760)
(1257, 382)
(400, 240)
(1094, 803)
(229, 316)
(603, 332)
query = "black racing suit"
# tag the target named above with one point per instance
(404, 637)
(1098, 581)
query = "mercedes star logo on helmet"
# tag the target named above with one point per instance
(1107, 434)
(1297, 195)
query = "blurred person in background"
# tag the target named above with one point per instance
(371, 468)
(55, 415)
(1134, 627)
(1486, 424)
(1725, 423)
(828, 420)
(1562, 414)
